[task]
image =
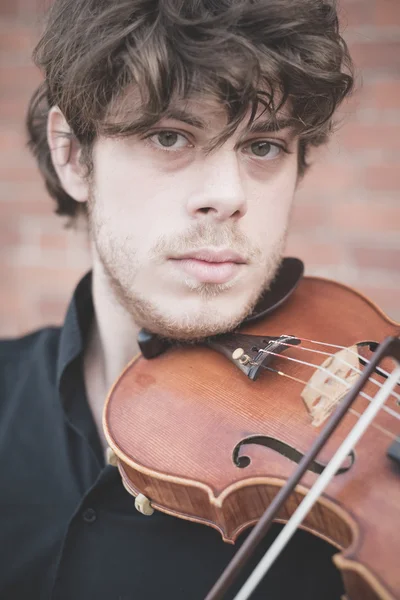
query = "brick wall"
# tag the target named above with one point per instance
(347, 217)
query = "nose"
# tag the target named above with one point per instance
(220, 192)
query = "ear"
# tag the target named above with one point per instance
(66, 156)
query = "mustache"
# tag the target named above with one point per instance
(203, 235)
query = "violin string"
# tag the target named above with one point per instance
(316, 491)
(341, 360)
(333, 375)
(367, 361)
(300, 381)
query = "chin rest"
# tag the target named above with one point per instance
(287, 278)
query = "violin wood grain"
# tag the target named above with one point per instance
(174, 421)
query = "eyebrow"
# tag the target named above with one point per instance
(270, 126)
(179, 114)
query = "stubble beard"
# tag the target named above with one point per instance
(120, 268)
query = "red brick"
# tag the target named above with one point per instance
(14, 164)
(307, 216)
(12, 140)
(16, 39)
(350, 106)
(354, 14)
(328, 177)
(14, 151)
(25, 171)
(384, 94)
(13, 112)
(9, 234)
(386, 297)
(314, 253)
(20, 191)
(383, 177)
(56, 278)
(49, 241)
(10, 305)
(387, 12)
(52, 310)
(340, 222)
(387, 259)
(16, 158)
(28, 208)
(24, 10)
(376, 55)
(9, 8)
(358, 217)
(18, 78)
(361, 136)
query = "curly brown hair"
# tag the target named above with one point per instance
(243, 53)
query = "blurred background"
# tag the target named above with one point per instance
(346, 221)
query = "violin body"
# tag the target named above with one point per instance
(204, 442)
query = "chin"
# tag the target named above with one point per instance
(194, 325)
(189, 332)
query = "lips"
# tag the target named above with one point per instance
(210, 266)
(213, 256)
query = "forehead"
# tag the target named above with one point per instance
(211, 116)
(202, 112)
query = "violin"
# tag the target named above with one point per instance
(213, 432)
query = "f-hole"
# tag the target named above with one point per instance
(242, 461)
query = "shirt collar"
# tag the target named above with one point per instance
(76, 326)
(80, 312)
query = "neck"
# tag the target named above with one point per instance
(111, 345)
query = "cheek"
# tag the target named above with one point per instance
(272, 204)
(131, 199)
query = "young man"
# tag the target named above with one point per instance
(179, 130)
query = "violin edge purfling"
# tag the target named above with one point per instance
(185, 406)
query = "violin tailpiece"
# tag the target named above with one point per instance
(251, 352)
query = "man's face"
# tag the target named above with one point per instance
(187, 239)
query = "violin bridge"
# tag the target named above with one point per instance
(330, 383)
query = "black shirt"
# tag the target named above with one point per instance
(69, 529)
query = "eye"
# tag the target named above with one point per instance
(265, 149)
(164, 140)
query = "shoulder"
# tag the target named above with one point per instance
(19, 355)
(11, 348)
